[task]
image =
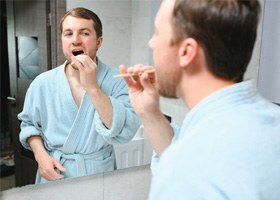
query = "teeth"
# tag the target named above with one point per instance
(75, 53)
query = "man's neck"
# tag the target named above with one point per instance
(72, 72)
(199, 88)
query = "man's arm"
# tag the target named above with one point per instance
(46, 164)
(103, 105)
(159, 131)
(88, 78)
(145, 100)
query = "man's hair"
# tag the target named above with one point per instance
(85, 14)
(226, 30)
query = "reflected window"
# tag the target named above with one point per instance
(28, 57)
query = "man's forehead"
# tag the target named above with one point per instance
(165, 11)
(68, 22)
(168, 5)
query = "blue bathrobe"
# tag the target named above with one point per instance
(227, 148)
(76, 136)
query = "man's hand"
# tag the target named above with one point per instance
(48, 167)
(142, 89)
(145, 98)
(88, 71)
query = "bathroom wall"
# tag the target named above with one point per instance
(269, 81)
(128, 26)
(126, 29)
(116, 20)
(132, 183)
(141, 31)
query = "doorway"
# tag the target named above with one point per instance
(6, 141)
(30, 45)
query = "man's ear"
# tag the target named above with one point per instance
(99, 42)
(187, 51)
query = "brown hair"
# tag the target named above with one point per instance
(85, 14)
(226, 30)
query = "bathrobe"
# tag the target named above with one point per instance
(228, 147)
(76, 136)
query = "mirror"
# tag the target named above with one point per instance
(128, 25)
(127, 28)
(27, 56)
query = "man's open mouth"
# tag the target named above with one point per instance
(78, 52)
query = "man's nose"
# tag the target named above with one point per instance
(76, 38)
(151, 42)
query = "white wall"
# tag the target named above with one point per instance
(269, 81)
(140, 31)
(126, 184)
(128, 26)
(126, 29)
(116, 20)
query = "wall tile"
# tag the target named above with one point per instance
(132, 183)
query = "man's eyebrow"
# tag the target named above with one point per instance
(82, 29)
(85, 29)
(66, 30)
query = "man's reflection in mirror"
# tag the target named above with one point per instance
(73, 113)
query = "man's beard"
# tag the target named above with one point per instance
(167, 85)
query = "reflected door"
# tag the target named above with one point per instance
(29, 55)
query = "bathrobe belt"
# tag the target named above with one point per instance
(80, 158)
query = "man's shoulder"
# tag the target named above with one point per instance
(107, 72)
(107, 68)
(45, 78)
(50, 73)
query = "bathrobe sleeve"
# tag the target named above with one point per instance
(125, 122)
(41, 111)
(155, 157)
(30, 117)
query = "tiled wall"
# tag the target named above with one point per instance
(125, 184)
(126, 29)
(128, 26)
(269, 81)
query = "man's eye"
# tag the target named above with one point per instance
(67, 34)
(85, 34)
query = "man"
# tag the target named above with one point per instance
(74, 113)
(228, 145)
